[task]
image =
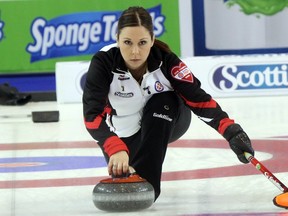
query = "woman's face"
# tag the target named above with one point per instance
(135, 44)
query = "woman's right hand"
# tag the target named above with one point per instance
(118, 163)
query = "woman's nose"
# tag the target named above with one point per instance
(135, 50)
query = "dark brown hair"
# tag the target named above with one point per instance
(138, 16)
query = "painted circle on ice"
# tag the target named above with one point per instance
(36, 164)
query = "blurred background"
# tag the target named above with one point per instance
(239, 43)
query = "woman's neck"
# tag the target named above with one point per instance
(139, 72)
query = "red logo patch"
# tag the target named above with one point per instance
(182, 72)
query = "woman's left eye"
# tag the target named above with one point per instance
(143, 42)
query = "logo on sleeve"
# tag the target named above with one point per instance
(182, 72)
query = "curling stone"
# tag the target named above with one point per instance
(123, 194)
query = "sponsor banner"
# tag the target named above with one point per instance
(223, 76)
(223, 27)
(252, 75)
(70, 80)
(53, 31)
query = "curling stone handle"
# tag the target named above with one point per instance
(124, 175)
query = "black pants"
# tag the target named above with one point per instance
(165, 119)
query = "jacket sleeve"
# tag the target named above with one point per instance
(200, 102)
(96, 106)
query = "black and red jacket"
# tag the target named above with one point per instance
(113, 100)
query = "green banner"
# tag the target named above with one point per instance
(34, 35)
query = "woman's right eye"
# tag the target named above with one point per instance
(127, 42)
